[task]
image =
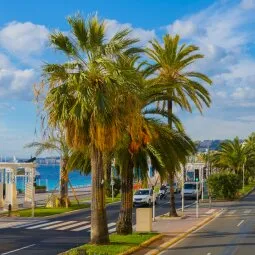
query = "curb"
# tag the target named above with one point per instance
(180, 237)
(61, 214)
(142, 245)
(247, 194)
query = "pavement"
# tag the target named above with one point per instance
(58, 234)
(232, 232)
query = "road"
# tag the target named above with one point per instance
(232, 233)
(61, 233)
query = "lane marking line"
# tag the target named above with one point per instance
(25, 247)
(73, 225)
(45, 224)
(241, 222)
(247, 211)
(232, 212)
(59, 225)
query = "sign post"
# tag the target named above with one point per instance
(197, 198)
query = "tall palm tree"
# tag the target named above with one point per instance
(89, 97)
(171, 65)
(133, 152)
(56, 142)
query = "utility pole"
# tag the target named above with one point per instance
(197, 199)
(33, 192)
(182, 190)
(243, 172)
(112, 175)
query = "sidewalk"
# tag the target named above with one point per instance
(175, 229)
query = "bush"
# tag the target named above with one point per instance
(224, 185)
(40, 187)
(116, 187)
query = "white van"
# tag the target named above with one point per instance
(190, 190)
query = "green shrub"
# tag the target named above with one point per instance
(224, 185)
(116, 187)
(40, 187)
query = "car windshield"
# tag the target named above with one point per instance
(189, 186)
(142, 192)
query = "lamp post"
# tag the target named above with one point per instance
(243, 171)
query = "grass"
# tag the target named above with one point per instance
(247, 188)
(109, 200)
(43, 211)
(118, 244)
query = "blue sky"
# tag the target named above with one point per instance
(222, 29)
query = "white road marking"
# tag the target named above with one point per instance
(81, 228)
(29, 224)
(45, 224)
(112, 230)
(209, 253)
(241, 222)
(232, 212)
(10, 224)
(247, 211)
(109, 225)
(59, 225)
(25, 247)
(210, 211)
(73, 225)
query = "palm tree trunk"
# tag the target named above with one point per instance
(172, 212)
(64, 201)
(124, 224)
(99, 230)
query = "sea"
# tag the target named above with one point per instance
(48, 175)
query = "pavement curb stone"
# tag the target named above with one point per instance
(142, 245)
(179, 237)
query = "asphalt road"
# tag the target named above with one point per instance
(53, 236)
(232, 233)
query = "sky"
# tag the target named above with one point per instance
(223, 29)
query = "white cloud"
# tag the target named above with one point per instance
(201, 128)
(23, 39)
(113, 26)
(248, 4)
(16, 83)
(224, 33)
(185, 28)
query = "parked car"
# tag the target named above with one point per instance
(190, 190)
(176, 188)
(144, 197)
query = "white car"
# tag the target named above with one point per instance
(190, 190)
(144, 197)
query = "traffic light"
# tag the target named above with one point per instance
(197, 175)
(204, 173)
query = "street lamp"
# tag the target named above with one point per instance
(243, 171)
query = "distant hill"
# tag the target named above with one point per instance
(212, 145)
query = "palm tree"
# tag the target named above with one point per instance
(56, 142)
(92, 99)
(153, 141)
(231, 156)
(180, 86)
